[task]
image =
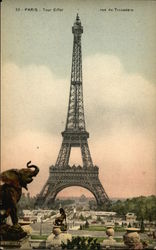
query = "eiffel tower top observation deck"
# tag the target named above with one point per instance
(75, 134)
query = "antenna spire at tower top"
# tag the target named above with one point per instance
(77, 28)
(77, 17)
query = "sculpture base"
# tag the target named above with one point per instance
(11, 233)
(10, 244)
(16, 244)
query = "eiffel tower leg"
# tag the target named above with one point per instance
(47, 196)
(50, 198)
(63, 157)
(86, 157)
(102, 197)
(43, 194)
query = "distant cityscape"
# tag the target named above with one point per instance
(84, 218)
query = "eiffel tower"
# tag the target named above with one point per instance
(61, 175)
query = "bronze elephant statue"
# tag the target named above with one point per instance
(10, 192)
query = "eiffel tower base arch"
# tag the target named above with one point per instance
(61, 178)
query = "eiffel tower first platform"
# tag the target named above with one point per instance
(61, 175)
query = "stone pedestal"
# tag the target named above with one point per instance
(110, 233)
(132, 239)
(57, 237)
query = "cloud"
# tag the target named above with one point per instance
(115, 98)
(120, 113)
(32, 98)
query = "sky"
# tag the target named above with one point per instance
(119, 61)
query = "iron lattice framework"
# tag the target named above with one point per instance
(75, 135)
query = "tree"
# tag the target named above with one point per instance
(87, 224)
(82, 243)
(129, 225)
(142, 226)
(81, 217)
(99, 219)
(143, 207)
(26, 202)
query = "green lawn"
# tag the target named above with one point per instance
(103, 228)
(39, 237)
(100, 239)
(95, 228)
(119, 229)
